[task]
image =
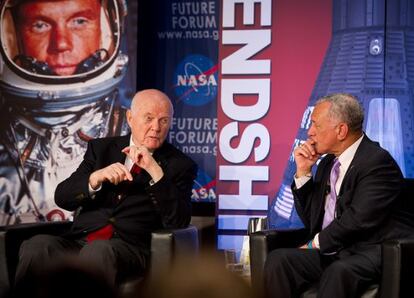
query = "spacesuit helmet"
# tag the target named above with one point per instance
(57, 53)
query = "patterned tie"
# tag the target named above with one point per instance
(135, 170)
(331, 198)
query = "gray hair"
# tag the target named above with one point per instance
(345, 108)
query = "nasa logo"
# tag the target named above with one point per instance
(196, 80)
(204, 188)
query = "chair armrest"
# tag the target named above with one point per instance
(397, 269)
(168, 244)
(4, 274)
(262, 242)
(11, 237)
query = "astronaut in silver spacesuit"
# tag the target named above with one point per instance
(60, 71)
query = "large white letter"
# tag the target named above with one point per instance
(245, 200)
(242, 152)
(233, 87)
(248, 12)
(239, 62)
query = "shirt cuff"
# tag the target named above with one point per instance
(153, 181)
(316, 241)
(299, 182)
(92, 192)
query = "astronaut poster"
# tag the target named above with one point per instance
(277, 58)
(66, 77)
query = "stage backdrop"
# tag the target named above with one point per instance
(276, 59)
(259, 64)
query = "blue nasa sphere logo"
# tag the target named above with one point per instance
(196, 80)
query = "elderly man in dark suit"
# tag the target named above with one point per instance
(350, 206)
(124, 188)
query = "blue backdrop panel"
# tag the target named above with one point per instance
(186, 69)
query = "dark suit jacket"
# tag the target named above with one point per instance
(368, 208)
(134, 208)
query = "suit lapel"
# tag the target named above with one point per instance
(347, 176)
(358, 158)
(162, 153)
(115, 151)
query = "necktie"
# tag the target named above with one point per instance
(331, 198)
(135, 170)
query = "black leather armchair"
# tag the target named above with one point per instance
(166, 245)
(397, 256)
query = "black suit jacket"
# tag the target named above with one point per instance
(134, 208)
(368, 208)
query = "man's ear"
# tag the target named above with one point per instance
(343, 131)
(128, 117)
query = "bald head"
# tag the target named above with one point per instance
(150, 118)
(155, 96)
